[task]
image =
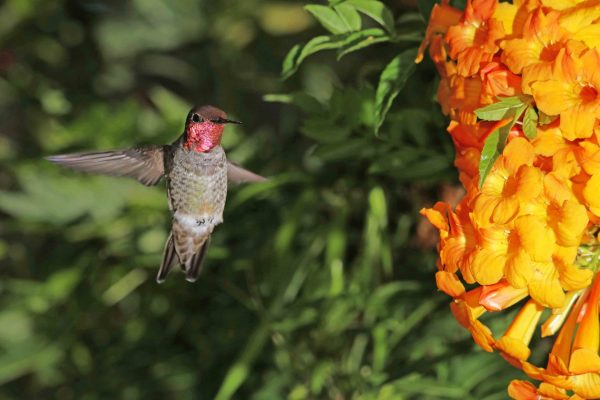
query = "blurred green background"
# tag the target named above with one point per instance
(320, 283)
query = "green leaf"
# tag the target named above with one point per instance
(290, 61)
(504, 108)
(415, 37)
(349, 16)
(362, 39)
(377, 11)
(346, 43)
(329, 18)
(314, 45)
(392, 80)
(530, 121)
(494, 144)
(489, 155)
(303, 100)
(319, 43)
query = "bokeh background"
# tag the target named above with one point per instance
(320, 283)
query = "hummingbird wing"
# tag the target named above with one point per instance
(237, 174)
(144, 163)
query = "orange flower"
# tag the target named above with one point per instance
(582, 23)
(498, 81)
(561, 4)
(575, 364)
(500, 296)
(465, 136)
(512, 181)
(588, 156)
(562, 160)
(530, 232)
(523, 390)
(572, 92)
(465, 98)
(534, 53)
(457, 237)
(467, 162)
(473, 40)
(514, 343)
(591, 194)
(466, 310)
(442, 17)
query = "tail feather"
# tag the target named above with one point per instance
(193, 267)
(170, 258)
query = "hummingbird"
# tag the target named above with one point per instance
(196, 171)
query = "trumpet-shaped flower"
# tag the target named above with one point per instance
(473, 40)
(498, 81)
(582, 23)
(512, 181)
(572, 92)
(531, 232)
(533, 54)
(442, 17)
(523, 390)
(561, 4)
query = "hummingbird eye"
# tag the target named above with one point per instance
(196, 118)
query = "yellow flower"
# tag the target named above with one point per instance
(561, 4)
(512, 181)
(582, 23)
(573, 363)
(442, 17)
(466, 310)
(523, 390)
(532, 231)
(515, 342)
(533, 54)
(572, 93)
(500, 296)
(591, 194)
(473, 40)
(457, 237)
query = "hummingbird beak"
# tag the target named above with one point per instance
(225, 121)
(229, 121)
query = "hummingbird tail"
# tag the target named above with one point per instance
(194, 266)
(170, 258)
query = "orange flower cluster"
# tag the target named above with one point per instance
(527, 232)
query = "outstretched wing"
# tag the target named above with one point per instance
(144, 163)
(237, 174)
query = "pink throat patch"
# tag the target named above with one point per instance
(203, 136)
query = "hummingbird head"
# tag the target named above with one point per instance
(204, 127)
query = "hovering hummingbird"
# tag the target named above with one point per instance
(196, 171)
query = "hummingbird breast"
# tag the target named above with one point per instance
(197, 189)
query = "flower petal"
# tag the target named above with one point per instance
(537, 238)
(488, 266)
(519, 269)
(544, 286)
(449, 283)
